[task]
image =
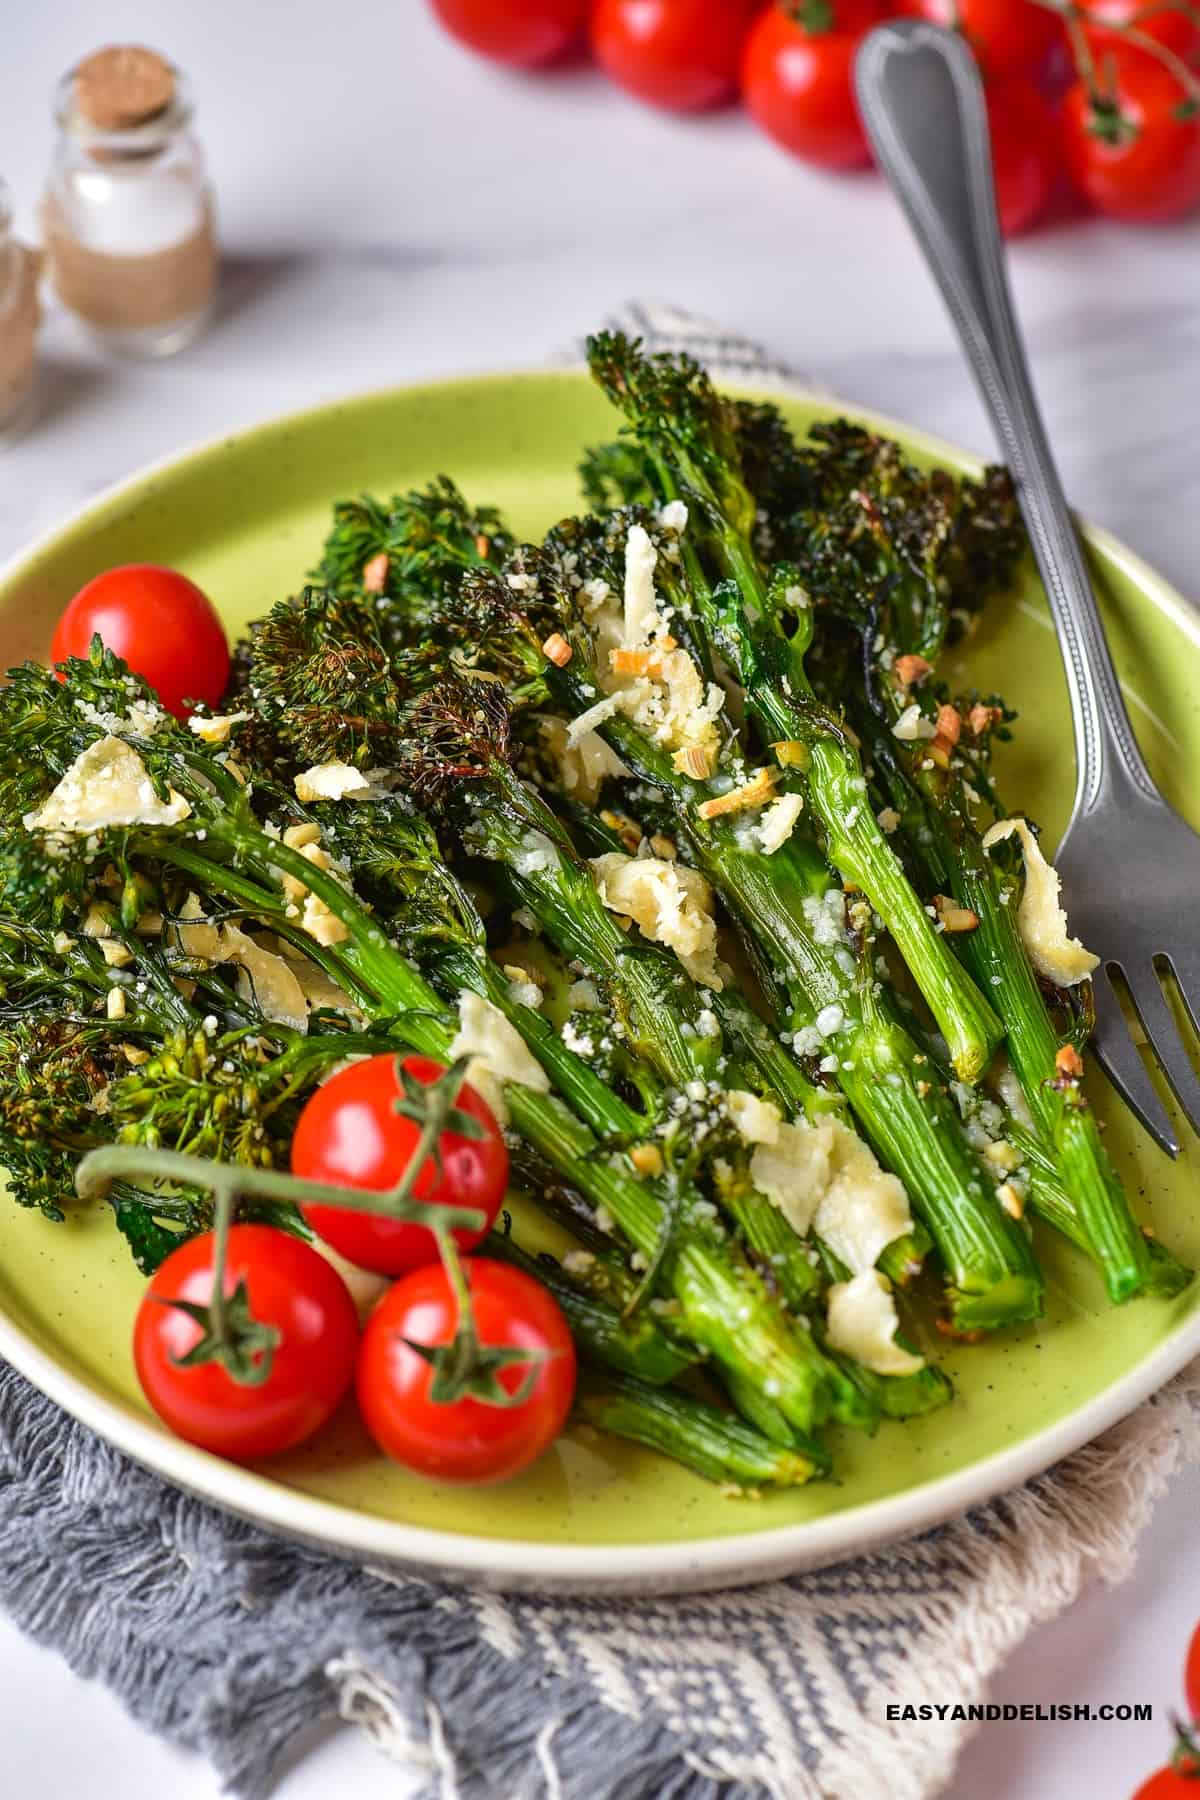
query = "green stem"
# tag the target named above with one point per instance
(715, 1444)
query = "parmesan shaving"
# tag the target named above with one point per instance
(583, 765)
(1041, 920)
(262, 976)
(826, 1176)
(497, 1051)
(669, 902)
(756, 1121)
(107, 784)
(863, 1324)
(329, 781)
(778, 822)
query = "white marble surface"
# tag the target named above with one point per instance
(392, 209)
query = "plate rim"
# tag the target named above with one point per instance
(701, 1563)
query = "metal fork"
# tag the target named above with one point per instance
(1130, 866)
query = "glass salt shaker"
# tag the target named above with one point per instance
(128, 213)
(19, 314)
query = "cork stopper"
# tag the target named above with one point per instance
(123, 86)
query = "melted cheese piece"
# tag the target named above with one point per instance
(584, 762)
(262, 976)
(863, 1324)
(497, 1051)
(825, 1176)
(1041, 920)
(330, 781)
(778, 822)
(107, 784)
(756, 1121)
(641, 601)
(669, 902)
(216, 730)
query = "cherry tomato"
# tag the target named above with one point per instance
(798, 82)
(467, 1440)
(523, 35)
(351, 1135)
(1174, 28)
(160, 623)
(1132, 155)
(680, 54)
(1191, 1679)
(1025, 151)
(1169, 1784)
(1008, 36)
(312, 1366)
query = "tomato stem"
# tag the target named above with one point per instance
(1075, 18)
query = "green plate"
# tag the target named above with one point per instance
(244, 517)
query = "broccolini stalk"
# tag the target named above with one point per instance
(949, 848)
(716, 1444)
(677, 416)
(635, 1346)
(992, 1278)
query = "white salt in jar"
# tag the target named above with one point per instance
(128, 213)
(19, 315)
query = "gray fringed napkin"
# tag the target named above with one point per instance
(228, 1641)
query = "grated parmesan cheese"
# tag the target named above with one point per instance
(1041, 920)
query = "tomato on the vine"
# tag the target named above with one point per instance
(466, 1440)
(290, 1291)
(1191, 1678)
(798, 79)
(353, 1134)
(1133, 150)
(679, 54)
(1025, 151)
(1007, 36)
(1169, 1784)
(525, 36)
(1174, 27)
(160, 623)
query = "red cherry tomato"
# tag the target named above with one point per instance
(524, 34)
(1191, 1679)
(680, 54)
(1007, 36)
(1176, 29)
(312, 1365)
(467, 1440)
(1025, 151)
(1169, 1784)
(1132, 155)
(798, 82)
(350, 1135)
(160, 623)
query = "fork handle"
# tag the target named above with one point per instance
(922, 104)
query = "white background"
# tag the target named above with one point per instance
(390, 209)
